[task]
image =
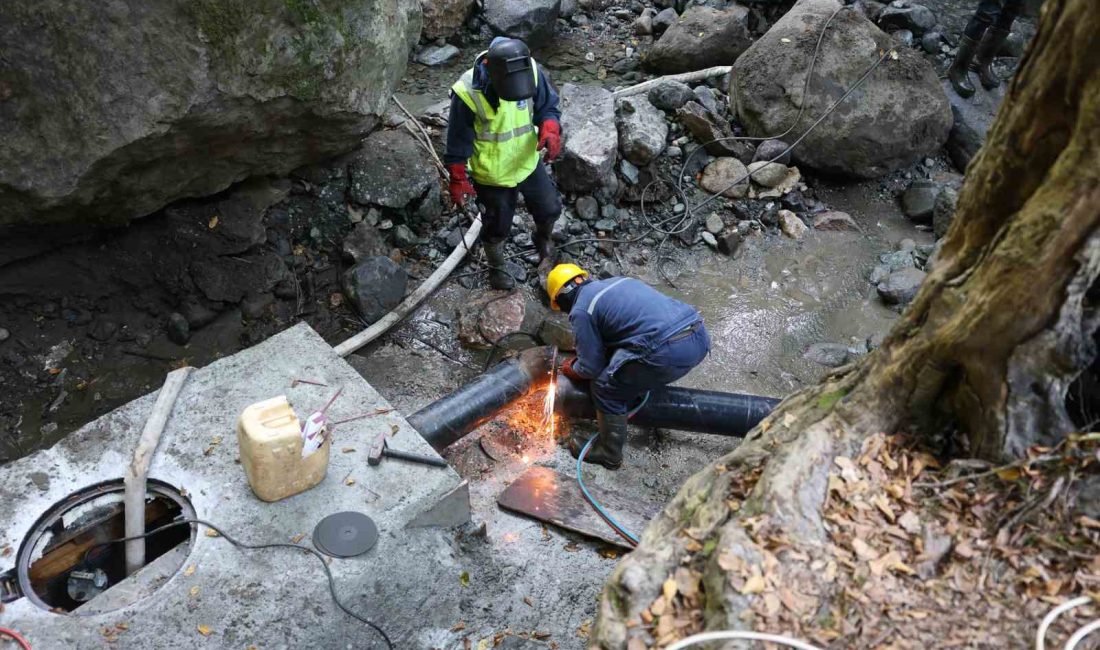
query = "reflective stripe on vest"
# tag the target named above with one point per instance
(505, 143)
(592, 305)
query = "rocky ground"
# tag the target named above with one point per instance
(800, 270)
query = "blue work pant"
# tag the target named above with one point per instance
(622, 386)
(999, 14)
(539, 194)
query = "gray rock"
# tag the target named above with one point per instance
(931, 42)
(943, 212)
(365, 241)
(590, 139)
(706, 130)
(898, 260)
(484, 319)
(906, 15)
(404, 237)
(835, 220)
(918, 201)
(183, 99)
(972, 118)
(374, 287)
(791, 225)
(880, 273)
(179, 331)
(436, 55)
(720, 174)
(392, 171)
(902, 114)
(709, 238)
(643, 24)
(606, 225)
(674, 152)
(555, 330)
(587, 208)
(670, 95)
(642, 129)
(628, 171)
(529, 20)
(729, 242)
(769, 149)
(904, 37)
(832, 355)
(4, 335)
(663, 20)
(767, 174)
(708, 98)
(714, 223)
(443, 18)
(900, 287)
(703, 37)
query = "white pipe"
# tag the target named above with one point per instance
(685, 77)
(416, 297)
(1041, 633)
(134, 481)
(734, 635)
(1080, 634)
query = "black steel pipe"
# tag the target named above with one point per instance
(674, 407)
(447, 419)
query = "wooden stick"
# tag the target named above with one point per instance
(685, 77)
(427, 142)
(416, 297)
(134, 481)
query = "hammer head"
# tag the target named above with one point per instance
(376, 449)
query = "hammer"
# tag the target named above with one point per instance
(379, 449)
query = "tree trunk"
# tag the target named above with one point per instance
(999, 330)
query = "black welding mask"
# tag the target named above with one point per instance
(511, 69)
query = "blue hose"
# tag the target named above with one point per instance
(592, 500)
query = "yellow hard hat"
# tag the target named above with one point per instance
(561, 275)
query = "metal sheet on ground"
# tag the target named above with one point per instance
(556, 499)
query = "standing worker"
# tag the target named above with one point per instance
(631, 339)
(981, 41)
(495, 109)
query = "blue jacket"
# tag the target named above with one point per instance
(460, 127)
(623, 318)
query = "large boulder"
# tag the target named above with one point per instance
(900, 113)
(442, 18)
(530, 20)
(703, 37)
(111, 111)
(642, 129)
(590, 138)
(391, 170)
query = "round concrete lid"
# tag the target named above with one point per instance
(345, 534)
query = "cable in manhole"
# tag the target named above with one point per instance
(63, 565)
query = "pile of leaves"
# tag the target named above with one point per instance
(918, 555)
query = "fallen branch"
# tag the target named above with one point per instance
(414, 299)
(683, 77)
(990, 472)
(136, 472)
(426, 142)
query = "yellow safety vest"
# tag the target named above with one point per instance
(505, 141)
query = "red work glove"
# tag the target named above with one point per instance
(460, 186)
(568, 371)
(550, 139)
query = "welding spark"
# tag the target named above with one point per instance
(548, 406)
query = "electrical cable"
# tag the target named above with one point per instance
(239, 544)
(1048, 620)
(736, 635)
(1081, 633)
(15, 636)
(614, 523)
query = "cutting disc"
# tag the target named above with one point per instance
(345, 534)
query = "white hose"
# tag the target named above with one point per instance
(734, 635)
(1080, 634)
(1041, 633)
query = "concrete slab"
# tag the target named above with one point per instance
(274, 598)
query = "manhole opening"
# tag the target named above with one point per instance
(64, 567)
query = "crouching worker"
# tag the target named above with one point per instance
(496, 107)
(631, 339)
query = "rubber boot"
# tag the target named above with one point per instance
(608, 448)
(991, 44)
(499, 278)
(543, 242)
(959, 72)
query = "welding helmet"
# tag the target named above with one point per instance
(560, 283)
(511, 70)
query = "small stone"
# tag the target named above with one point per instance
(714, 223)
(678, 208)
(769, 149)
(103, 330)
(629, 172)
(404, 237)
(919, 200)
(179, 331)
(671, 95)
(907, 245)
(719, 175)
(709, 239)
(900, 287)
(708, 98)
(729, 242)
(767, 174)
(879, 273)
(4, 335)
(903, 37)
(663, 20)
(831, 355)
(587, 208)
(606, 225)
(674, 152)
(556, 331)
(791, 225)
(436, 55)
(835, 220)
